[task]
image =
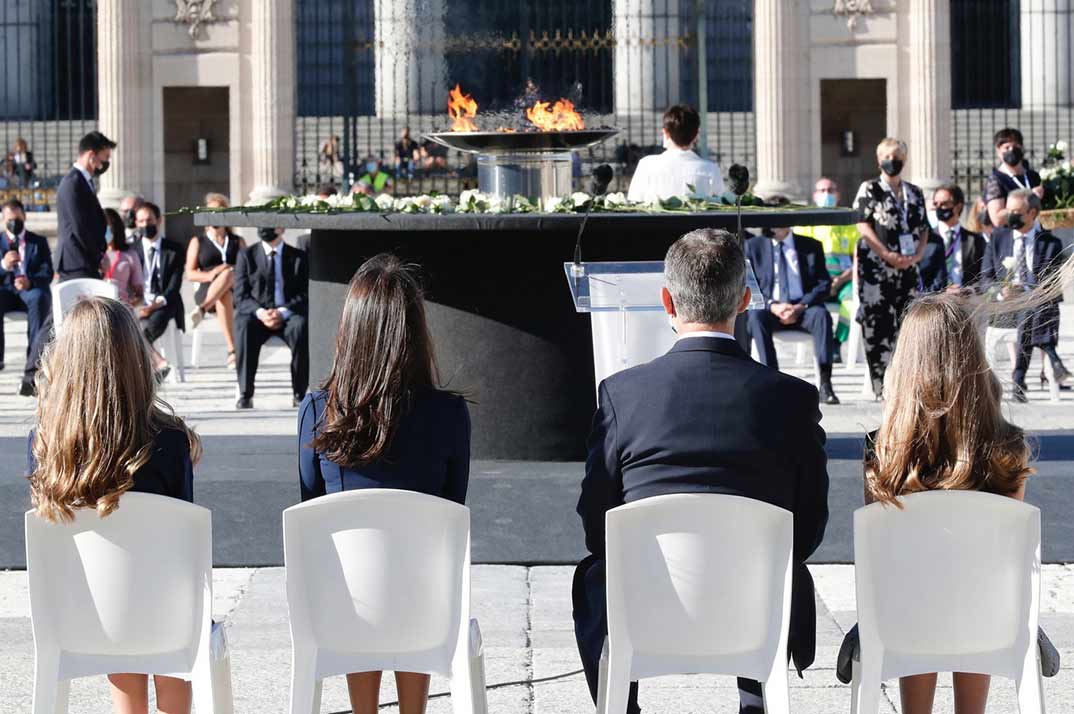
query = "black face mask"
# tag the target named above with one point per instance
(14, 226)
(1015, 221)
(150, 231)
(128, 219)
(945, 214)
(102, 168)
(892, 167)
(266, 234)
(1014, 156)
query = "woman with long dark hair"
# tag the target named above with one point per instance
(381, 421)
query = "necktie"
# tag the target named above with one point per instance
(784, 283)
(272, 277)
(154, 278)
(1021, 270)
(952, 264)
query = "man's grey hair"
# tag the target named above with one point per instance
(705, 272)
(1031, 199)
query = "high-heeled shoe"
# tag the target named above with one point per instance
(1062, 376)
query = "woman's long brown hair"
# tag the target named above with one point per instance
(97, 412)
(384, 356)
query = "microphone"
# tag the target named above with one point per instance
(602, 176)
(740, 183)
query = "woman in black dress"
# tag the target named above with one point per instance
(210, 261)
(1011, 174)
(894, 236)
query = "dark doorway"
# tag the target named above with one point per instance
(193, 115)
(853, 120)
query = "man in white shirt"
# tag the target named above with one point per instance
(955, 254)
(673, 172)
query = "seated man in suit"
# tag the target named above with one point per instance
(954, 255)
(704, 418)
(162, 268)
(271, 290)
(25, 278)
(793, 276)
(1034, 255)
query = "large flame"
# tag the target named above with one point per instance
(462, 109)
(558, 117)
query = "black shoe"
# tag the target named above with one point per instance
(244, 403)
(27, 389)
(1, 366)
(1018, 393)
(1060, 378)
(827, 394)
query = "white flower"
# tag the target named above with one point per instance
(1008, 263)
(580, 198)
(1061, 147)
(407, 204)
(471, 194)
(311, 199)
(424, 201)
(1049, 172)
(615, 199)
(551, 204)
(441, 204)
(496, 204)
(384, 202)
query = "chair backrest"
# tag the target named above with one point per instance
(65, 295)
(951, 575)
(699, 583)
(137, 582)
(379, 572)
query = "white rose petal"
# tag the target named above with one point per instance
(442, 204)
(1008, 263)
(615, 199)
(580, 198)
(384, 202)
(424, 200)
(310, 200)
(552, 204)
(1061, 146)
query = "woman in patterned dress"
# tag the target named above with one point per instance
(894, 234)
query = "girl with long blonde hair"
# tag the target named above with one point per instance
(102, 431)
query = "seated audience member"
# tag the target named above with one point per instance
(137, 443)
(793, 276)
(939, 368)
(375, 180)
(128, 210)
(674, 171)
(955, 255)
(210, 262)
(1034, 254)
(839, 244)
(162, 270)
(704, 418)
(271, 290)
(381, 421)
(24, 161)
(121, 266)
(25, 280)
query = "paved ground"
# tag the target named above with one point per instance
(523, 512)
(526, 622)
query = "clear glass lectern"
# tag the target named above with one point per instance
(629, 324)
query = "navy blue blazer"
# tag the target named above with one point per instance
(430, 452)
(705, 418)
(169, 471)
(816, 281)
(37, 261)
(933, 265)
(81, 225)
(252, 280)
(1048, 256)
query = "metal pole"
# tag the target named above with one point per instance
(702, 80)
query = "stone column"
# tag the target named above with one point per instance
(780, 71)
(929, 85)
(123, 78)
(647, 59)
(411, 74)
(272, 60)
(1046, 28)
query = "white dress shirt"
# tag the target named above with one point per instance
(794, 276)
(1028, 239)
(951, 234)
(86, 174)
(150, 264)
(662, 176)
(705, 333)
(277, 266)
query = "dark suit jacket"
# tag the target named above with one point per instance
(705, 418)
(252, 280)
(933, 265)
(81, 229)
(37, 262)
(172, 267)
(1047, 256)
(816, 281)
(430, 452)
(169, 471)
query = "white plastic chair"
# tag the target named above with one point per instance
(697, 583)
(131, 592)
(170, 345)
(379, 579)
(803, 342)
(66, 295)
(950, 583)
(196, 336)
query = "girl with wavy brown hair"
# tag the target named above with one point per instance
(102, 431)
(382, 421)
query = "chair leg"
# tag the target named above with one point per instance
(602, 679)
(800, 354)
(816, 373)
(468, 694)
(777, 694)
(50, 692)
(865, 688)
(617, 686)
(305, 686)
(195, 347)
(201, 681)
(853, 346)
(177, 349)
(1030, 684)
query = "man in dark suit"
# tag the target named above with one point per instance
(794, 280)
(271, 291)
(1020, 257)
(162, 269)
(25, 277)
(81, 221)
(704, 418)
(954, 255)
